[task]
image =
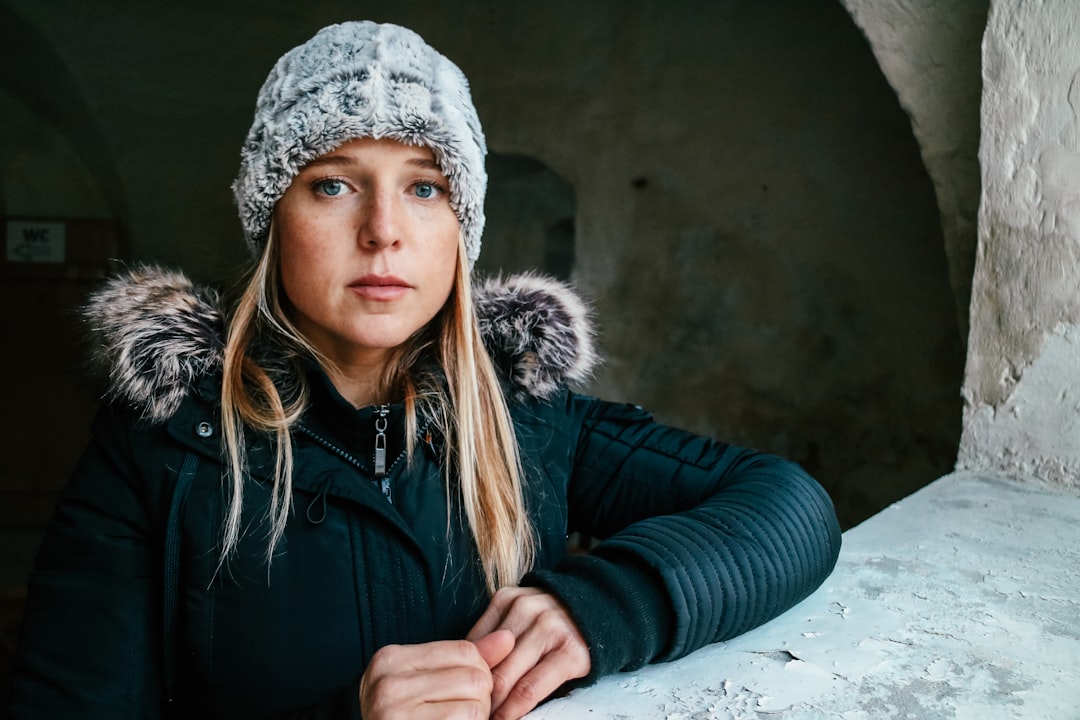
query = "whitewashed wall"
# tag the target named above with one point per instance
(1022, 384)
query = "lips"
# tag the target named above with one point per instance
(382, 288)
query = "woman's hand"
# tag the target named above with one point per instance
(439, 680)
(548, 649)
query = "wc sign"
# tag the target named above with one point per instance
(29, 241)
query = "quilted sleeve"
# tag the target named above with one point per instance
(701, 541)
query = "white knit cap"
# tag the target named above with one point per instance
(356, 80)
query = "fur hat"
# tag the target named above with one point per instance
(356, 80)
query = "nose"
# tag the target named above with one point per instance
(381, 223)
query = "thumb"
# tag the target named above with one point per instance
(495, 647)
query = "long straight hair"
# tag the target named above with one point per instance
(262, 390)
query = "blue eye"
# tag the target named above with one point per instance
(330, 187)
(425, 191)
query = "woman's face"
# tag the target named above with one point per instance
(368, 248)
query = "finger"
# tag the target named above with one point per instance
(550, 640)
(531, 689)
(443, 685)
(487, 624)
(530, 649)
(493, 617)
(495, 647)
(437, 693)
(394, 659)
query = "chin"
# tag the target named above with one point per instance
(379, 341)
(385, 335)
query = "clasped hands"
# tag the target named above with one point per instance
(522, 649)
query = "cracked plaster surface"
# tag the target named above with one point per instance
(1035, 431)
(958, 602)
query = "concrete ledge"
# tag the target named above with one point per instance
(961, 601)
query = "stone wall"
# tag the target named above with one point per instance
(1021, 389)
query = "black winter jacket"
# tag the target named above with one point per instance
(701, 541)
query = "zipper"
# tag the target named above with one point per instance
(382, 472)
(382, 422)
(349, 458)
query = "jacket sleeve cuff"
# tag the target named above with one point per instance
(618, 606)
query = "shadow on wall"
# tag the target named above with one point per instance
(779, 277)
(856, 401)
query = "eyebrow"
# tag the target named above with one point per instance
(345, 161)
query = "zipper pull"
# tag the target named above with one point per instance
(382, 422)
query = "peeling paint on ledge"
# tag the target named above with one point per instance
(959, 602)
(1035, 432)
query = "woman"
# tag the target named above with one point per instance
(348, 494)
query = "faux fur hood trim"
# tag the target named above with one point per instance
(538, 330)
(155, 335)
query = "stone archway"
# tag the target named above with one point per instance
(37, 82)
(931, 55)
(530, 218)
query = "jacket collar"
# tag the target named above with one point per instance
(157, 338)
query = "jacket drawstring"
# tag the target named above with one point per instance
(320, 501)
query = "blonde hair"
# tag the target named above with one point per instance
(481, 464)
